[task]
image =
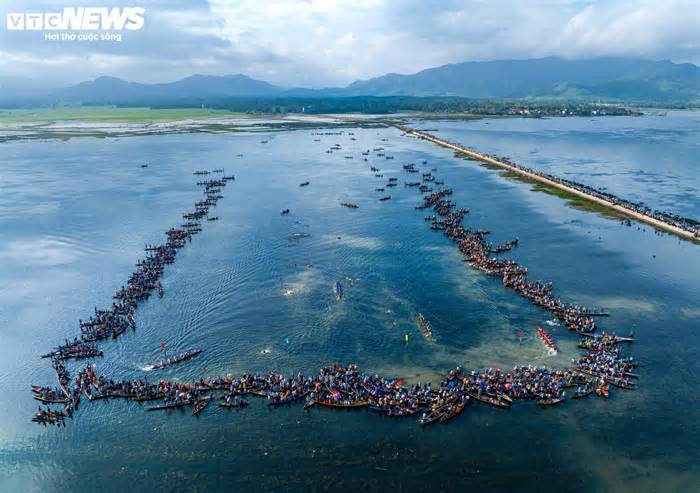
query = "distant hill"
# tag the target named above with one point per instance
(110, 90)
(608, 79)
(598, 78)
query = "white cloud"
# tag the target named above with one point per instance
(333, 42)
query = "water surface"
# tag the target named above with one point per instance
(254, 290)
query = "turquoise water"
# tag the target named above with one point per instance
(74, 216)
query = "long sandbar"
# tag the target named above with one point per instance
(661, 225)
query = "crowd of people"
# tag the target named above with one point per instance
(345, 386)
(110, 323)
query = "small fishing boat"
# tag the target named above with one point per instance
(431, 417)
(46, 400)
(304, 184)
(349, 205)
(489, 400)
(200, 405)
(383, 199)
(550, 401)
(584, 392)
(284, 212)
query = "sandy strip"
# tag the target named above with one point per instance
(670, 228)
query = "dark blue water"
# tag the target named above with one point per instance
(255, 291)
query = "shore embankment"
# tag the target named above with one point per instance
(536, 177)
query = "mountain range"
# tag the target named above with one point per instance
(606, 79)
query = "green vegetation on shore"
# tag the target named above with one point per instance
(571, 199)
(110, 113)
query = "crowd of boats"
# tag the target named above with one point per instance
(687, 224)
(601, 364)
(112, 322)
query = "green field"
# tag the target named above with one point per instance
(110, 113)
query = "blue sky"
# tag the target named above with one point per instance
(317, 43)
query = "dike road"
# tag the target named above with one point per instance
(626, 211)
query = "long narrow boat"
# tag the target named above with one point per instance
(502, 397)
(457, 409)
(489, 400)
(172, 405)
(350, 405)
(424, 326)
(338, 291)
(287, 400)
(46, 400)
(431, 417)
(597, 336)
(175, 359)
(608, 379)
(550, 401)
(238, 403)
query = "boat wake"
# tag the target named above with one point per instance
(148, 368)
(552, 323)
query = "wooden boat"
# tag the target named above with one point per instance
(149, 397)
(388, 197)
(50, 401)
(550, 401)
(503, 397)
(232, 404)
(176, 359)
(172, 405)
(584, 392)
(349, 205)
(489, 400)
(348, 405)
(200, 405)
(424, 326)
(431, 417)
(455, 411)
(602, 391)
(284, 212)
(304, 184)
(608, 379)
(287, 400)
(597, 336)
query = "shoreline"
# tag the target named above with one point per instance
(661, 225)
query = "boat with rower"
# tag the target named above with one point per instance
(549, 401)
(492, 401)
(611, 336)
(48, 400)
(338, 291)
(171, 405)
(350, 404)
(349, 205)
(424, 326)
(234, 403)
(175, 359)
(200, 404)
